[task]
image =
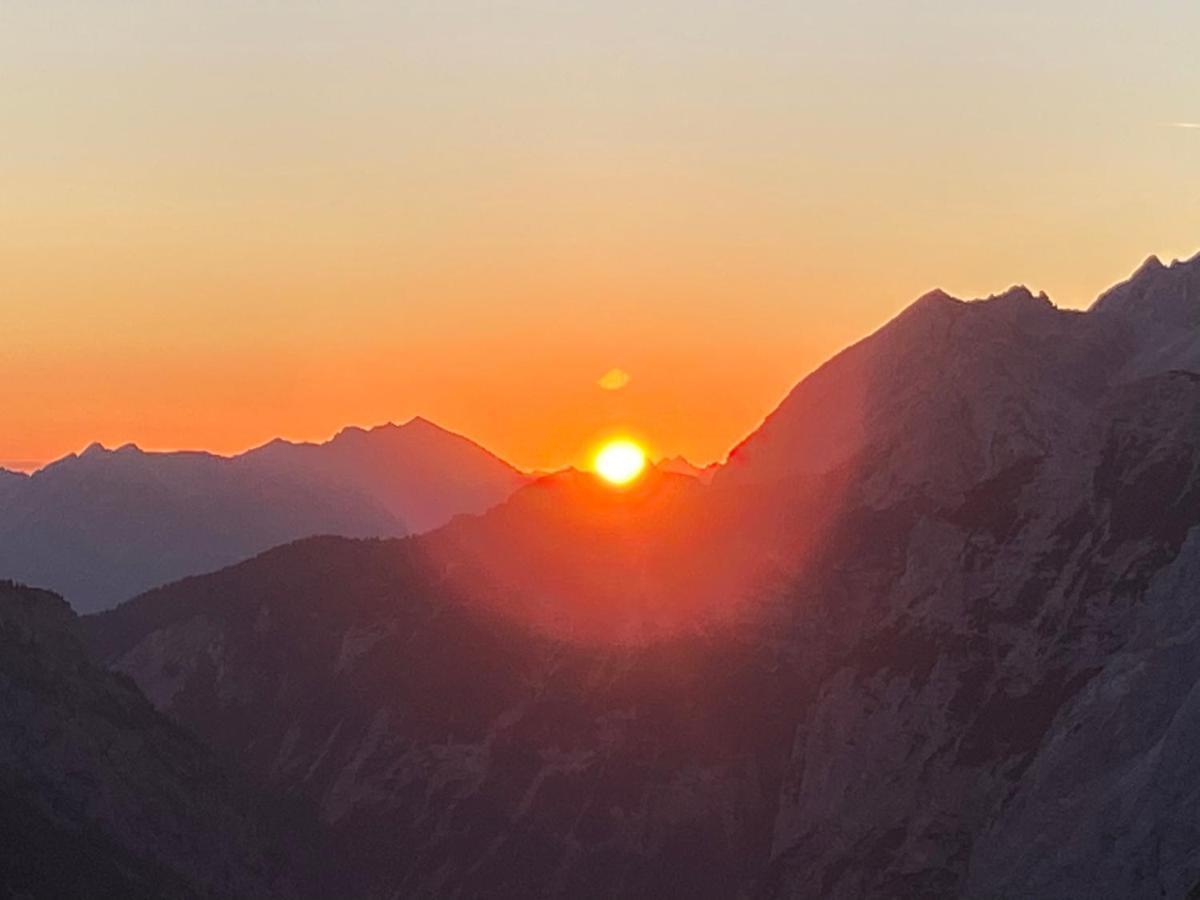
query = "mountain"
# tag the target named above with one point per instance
(103, 796)
(572, 558)
(453, 750)
(681, 466)
(1160, 309)
(419, 473)
(104, 525)
(946, 394)
(10, 481)
(932, 631)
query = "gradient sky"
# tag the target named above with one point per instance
(221, 222)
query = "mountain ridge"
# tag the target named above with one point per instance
(103, 525)
(1098, 347)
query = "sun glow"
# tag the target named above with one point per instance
(619, 462)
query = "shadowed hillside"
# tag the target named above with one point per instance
(105, 797)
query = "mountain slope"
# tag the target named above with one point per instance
(102, 795)
(453, 750)
(995, 722)
(106, 524)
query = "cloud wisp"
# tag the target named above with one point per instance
(614, 379)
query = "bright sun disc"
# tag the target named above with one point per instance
(619, 462)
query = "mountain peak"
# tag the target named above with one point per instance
(95, 450)
(938, 301)
(1016, 303)
(681, 465)
(415, 426)
(420, 422)
(1168, 295)
(1151, 264)
(1019, 293)
(935, 298)
(419, 425)
(931, 306)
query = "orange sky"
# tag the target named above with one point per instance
(225, 222)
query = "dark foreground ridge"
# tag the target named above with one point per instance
(106, 797)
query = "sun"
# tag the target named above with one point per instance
(619, 462)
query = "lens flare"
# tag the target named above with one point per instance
(620, 462)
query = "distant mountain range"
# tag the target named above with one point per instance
(933, 631)
(104, 525)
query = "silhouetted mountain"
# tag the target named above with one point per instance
(418, 472)
(574, 558)
(681, 466)
(10, 481)
(932, 631)
(105, 797)
(104, 525)
(453, 749)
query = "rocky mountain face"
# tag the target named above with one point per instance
(105, 797)
(455, 751)
(932, 631)
(1004, 715)
(572, 558)
(945, 395)
(1160, 309)
(104, 525)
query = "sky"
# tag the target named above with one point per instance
(230, 221)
